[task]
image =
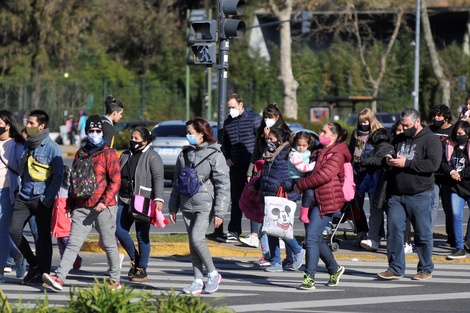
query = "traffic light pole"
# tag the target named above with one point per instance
(223, 72)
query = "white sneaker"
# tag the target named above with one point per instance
(369, 245)
(408, 248)
(250, 240)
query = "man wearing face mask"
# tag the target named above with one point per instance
(419, 155)
(238, 141)
(41, 171)
(99, 209)
(442, 127)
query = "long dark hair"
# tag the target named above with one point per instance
(145, 134)
(338, 130)
(15, 132)
(202, 126)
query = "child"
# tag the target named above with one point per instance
(60, 224)
(299, 164)
(275, 175)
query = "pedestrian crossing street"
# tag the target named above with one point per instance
(248, 288)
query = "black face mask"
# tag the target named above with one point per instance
(438, 124)
(461, 140)
(134, 145)
(364, 128)
(2, 130)
(410, 132)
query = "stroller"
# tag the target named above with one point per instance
(349, 214)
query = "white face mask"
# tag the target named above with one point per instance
(95, 138)
(234, 113)
(269, 122)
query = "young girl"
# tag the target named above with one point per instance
(299, 164)
(275, 175)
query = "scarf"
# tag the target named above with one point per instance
(36, 140)
(91, 148)
(359, 148)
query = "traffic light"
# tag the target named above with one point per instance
(229, 27)
(306, 22)
(203, 38)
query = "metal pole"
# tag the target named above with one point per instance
(142, 103)
(188, 89)
(417, 39)
(209, 84)
(223, 71)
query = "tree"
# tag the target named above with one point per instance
(283, 11)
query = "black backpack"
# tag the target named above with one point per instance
(82, 176)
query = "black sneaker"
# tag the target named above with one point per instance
(36, 281)
(132, 270)
(457, 254)
(32, 273)
(466, 244)
(140, 274)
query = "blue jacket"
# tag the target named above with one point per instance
(48, 152)
(239, 138)
(13, 155)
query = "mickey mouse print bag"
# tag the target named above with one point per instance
(279, 215)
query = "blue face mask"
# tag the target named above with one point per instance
(192, 140)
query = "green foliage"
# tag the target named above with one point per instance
(173, 303)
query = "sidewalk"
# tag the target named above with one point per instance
(68, 150)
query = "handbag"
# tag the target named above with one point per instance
(142, 209)
(279, 215)
(249, 203)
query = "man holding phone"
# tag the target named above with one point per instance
(419, 155)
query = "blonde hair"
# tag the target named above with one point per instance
(369, 115)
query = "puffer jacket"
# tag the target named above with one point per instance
(108, 173)
(327, 177)
(214, 193)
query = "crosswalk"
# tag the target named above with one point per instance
(247, 288)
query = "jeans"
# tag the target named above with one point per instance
(275, 250)
(458, 204)
(315, 245)
(418, 208)
(255, 228)
(376, 222)
(6, 212)
(123, 225)
(22, 212)
(435, 205)
(197, 224)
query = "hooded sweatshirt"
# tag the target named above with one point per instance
(423, 154)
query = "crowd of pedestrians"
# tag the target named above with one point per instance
(404, 171)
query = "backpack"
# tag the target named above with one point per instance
(188, 182)
(82, 177)
(349, 187)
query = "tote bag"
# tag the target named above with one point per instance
(279, 215)
(142, 209)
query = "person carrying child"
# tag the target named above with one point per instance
(275, 175)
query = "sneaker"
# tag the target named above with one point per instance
(274, 267)
(308, 283)
(287, 265)
(263, 262)
(408, 248)
(422, 275)
(78, 263)
(360, 236)
(131, 272)
(369, 245)
(466, 244)
(32, 273)
(140, 274)
(388, 275)
(20, 267)
(2, 278)
(334, 278)
(213, 283)
(457, 254)
(7, 268)
(114, 285)
(195, 288)
(299, 259)
(36, 281)
(250, 241)
(232, 237)
(53, 281)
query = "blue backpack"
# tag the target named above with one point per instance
(188, 182)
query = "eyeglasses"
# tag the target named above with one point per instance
(98, 131)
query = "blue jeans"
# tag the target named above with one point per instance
(263, 238)
(418, 208)
(275, 251)
(123, 225)
(6, 212)
(315, 245)
(458, 204)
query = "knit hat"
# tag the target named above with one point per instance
(93, 121)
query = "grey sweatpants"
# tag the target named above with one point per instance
(82, 223)
(196, 226)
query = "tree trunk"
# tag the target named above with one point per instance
(290, 85)
(444, 83)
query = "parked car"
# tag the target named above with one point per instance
(386, 119)
(130, 125)
(170, 138)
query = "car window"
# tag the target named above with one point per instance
(170, 131)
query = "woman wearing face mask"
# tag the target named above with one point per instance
(456, 165)
(359, 148)
(11, 148)
(329, 198)
(141, 174)
(209, 203)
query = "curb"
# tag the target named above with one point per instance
(223, 250)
